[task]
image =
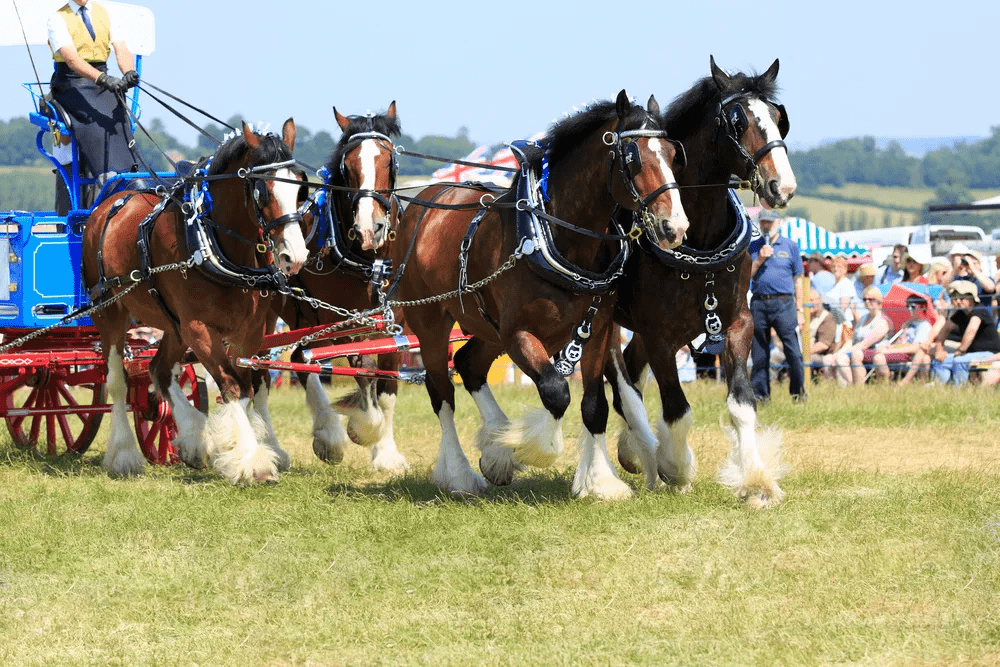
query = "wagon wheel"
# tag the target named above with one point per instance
(54, 405)
(155, 425)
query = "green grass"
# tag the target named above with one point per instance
(884, 552)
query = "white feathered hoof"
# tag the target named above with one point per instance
(191, 457)
(389, 460)
(127, 462)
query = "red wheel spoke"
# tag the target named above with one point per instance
(67, 433)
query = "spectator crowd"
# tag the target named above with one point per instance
(939, 326)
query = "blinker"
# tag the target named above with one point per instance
(633, 161)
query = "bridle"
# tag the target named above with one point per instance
(385, 143)
(630, 165)
(733, 117)
(255, 184)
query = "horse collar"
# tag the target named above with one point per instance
(539, 248)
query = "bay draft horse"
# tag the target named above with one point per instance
(515, 309)
(729, 124)
(218, 320)
(354, 222)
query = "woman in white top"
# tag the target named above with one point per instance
(839, 297)
(871, 329)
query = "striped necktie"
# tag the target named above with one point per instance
(86, 22)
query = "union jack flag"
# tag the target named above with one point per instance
(455, 173)
(502, 158)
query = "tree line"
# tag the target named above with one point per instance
(17, 146)
(950, 171)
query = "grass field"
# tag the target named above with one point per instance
(886, 551)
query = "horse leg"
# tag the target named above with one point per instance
(123, 456)
(386, 457)
(675, 459)
(262, 382)
(596, 475)
(451, 470)
(496, 460)
(364, 418)
(754, 465)
(537, 438)
(164, 371)
(329, 437)
(232, 434)
(636, 443)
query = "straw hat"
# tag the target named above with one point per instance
(866, 270)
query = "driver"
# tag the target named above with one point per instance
(81, 37)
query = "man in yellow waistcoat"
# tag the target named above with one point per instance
(81, 37)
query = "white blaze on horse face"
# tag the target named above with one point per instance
(364, 220)
(678, 221)
(292, 251)
(783, 176)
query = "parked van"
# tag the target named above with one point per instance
(940, 237)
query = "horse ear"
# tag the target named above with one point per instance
(391, 113)
(342, 121)
(653, 107)
(721, 78)
(772, 71)
(622, 104)
(288, 134)
(249, 136)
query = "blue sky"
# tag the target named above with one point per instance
(505, 70)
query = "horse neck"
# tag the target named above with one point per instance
(581, 197)
(232, 209)
(706, 207)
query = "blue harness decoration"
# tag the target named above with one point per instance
(745, 237)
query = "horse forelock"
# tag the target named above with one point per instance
(569, 132)
(381, 123)
(686, 113)
(270, 150)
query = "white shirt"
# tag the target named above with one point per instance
(59, 32)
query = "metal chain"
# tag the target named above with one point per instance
(506, 266)
(182, 266)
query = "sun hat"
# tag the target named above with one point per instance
(963, 288)
(921, 256)
(959, 249)
(867, 270)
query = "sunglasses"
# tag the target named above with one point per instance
(871, 298)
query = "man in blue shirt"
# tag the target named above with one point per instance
(777, 304)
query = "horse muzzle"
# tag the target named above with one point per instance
(668, 233)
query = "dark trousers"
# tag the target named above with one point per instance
(780, 315)
(99, 122)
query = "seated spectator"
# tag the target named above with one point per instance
(915, 264)
(839, 298)
(869, 330)
(906, 343)
(822, 331)
(864, 279)
(819, 277)
(977, 332)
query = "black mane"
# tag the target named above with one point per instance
(271, 150)
(381, 123)
(689, 110)
(569, 132)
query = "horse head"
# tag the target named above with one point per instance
(276, 200)
(365, 163)
(643, 163)
(756, 126)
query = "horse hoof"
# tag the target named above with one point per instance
(497, 475)
(628, 464)
(194, 462)
(326, 453)
(265, 478)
